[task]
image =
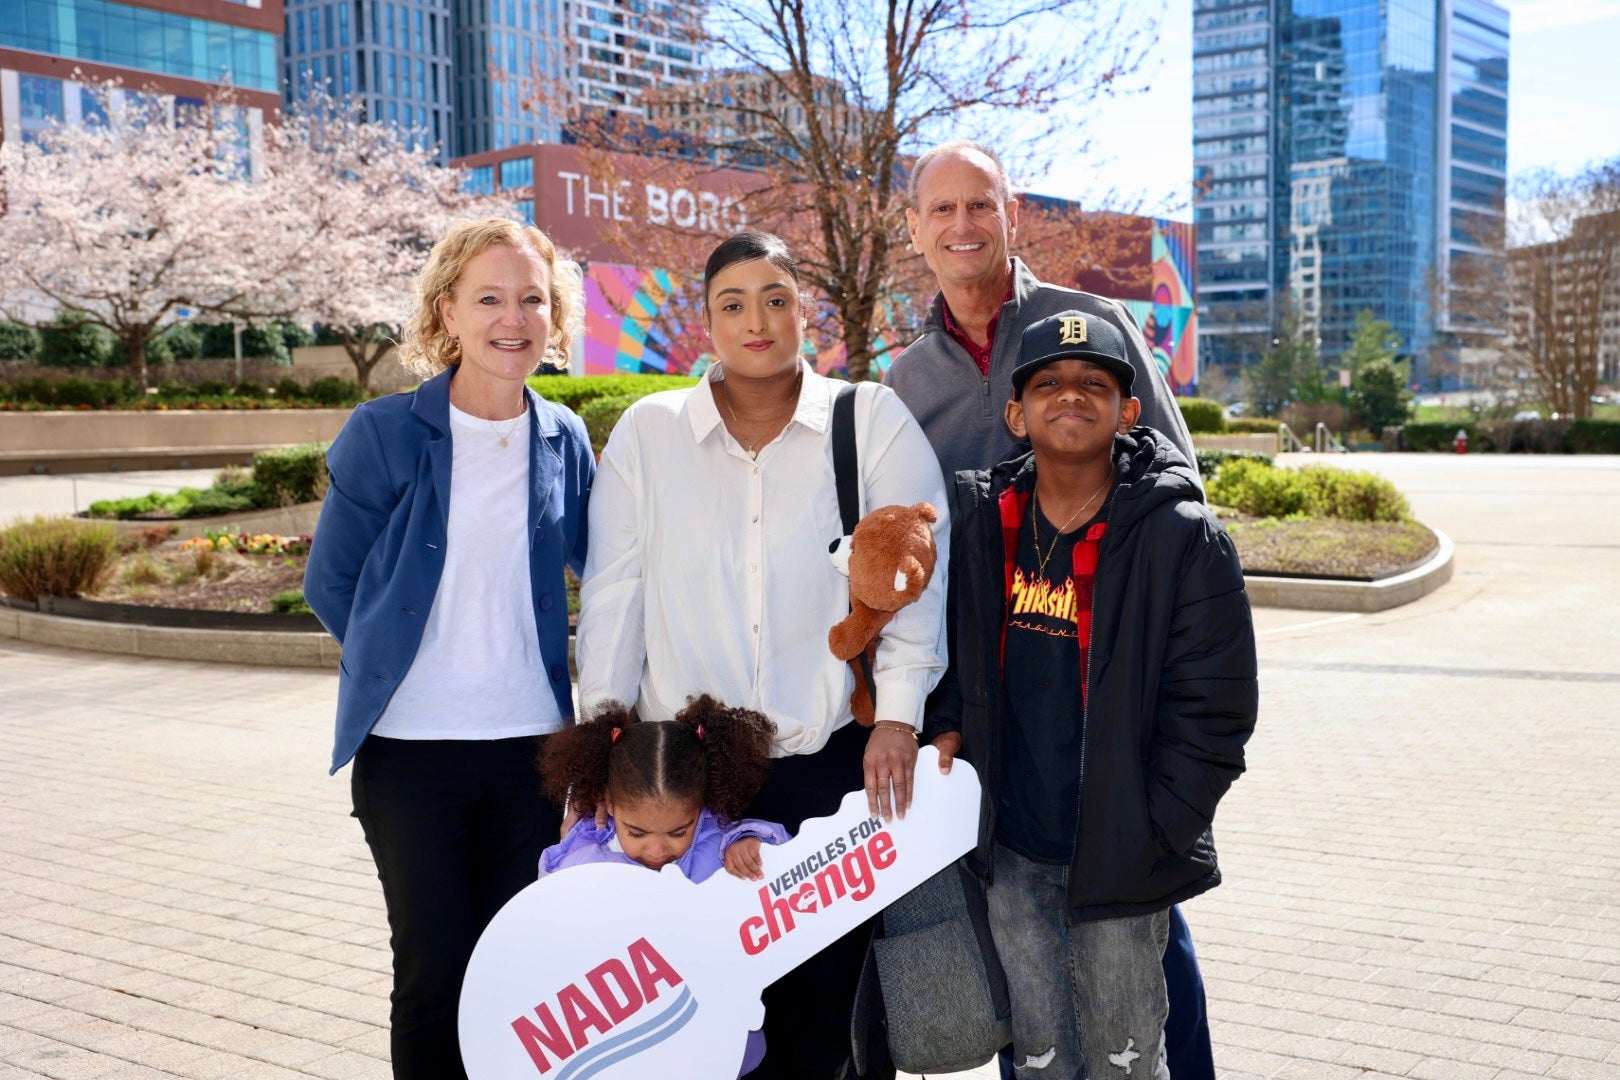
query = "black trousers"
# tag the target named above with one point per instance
(807, 1011)
(456, 829)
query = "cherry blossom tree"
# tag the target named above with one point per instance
(378, 201)
(142, 215)
(149, 213)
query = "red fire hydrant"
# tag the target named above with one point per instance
(1461, 441)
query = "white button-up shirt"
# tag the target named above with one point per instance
(708, 571)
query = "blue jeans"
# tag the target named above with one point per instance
(1088, 999)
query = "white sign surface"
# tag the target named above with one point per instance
(612, 971)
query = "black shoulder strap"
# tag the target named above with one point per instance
(846, 466)
(847, 476)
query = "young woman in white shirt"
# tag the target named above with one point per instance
(708, 572)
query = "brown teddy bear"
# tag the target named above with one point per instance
(889, 560)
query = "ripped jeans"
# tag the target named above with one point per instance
(1088, 999)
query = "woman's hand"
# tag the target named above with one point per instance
(949, 744)
(742, 859)
(890, 763)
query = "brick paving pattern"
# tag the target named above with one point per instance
(1423, 864)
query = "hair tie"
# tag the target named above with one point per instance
(616, 733)
(700, 732)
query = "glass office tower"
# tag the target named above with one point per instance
(1343, 150)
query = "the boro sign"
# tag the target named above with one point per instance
(616, 972)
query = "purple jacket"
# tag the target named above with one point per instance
(585, 843)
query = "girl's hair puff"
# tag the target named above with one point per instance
(736, 745)
(710, 755)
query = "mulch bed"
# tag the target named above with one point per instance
(207, 580)
(1328, 547)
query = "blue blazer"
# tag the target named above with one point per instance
(379, 547)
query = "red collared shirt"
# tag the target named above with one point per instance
(980, 354)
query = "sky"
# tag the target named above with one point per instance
(1563, 107)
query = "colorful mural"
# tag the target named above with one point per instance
(640, 321)
(650, 322)
(1169, 320)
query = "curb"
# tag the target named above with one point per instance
(318, 650)
(1362, 596)
(263, 648)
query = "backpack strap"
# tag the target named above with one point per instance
(847, 477)
(846, 466)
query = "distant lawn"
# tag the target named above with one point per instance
(1459, 414)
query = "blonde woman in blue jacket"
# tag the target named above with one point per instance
(438, 565)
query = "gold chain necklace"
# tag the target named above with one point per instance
(1035, 528)
(736, 425)
(506, 437)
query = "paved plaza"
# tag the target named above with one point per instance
(1422, 864)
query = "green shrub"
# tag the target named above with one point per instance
(294, 475)
(1211, 460)
(55, 557)
(70, 341)
(35, 390)
(247, 388)
(1432, 436)
(211, 388)
(18, 342)
(1203, 416)
(213, 502)
(574, 391)
(290, 602)
(601, 414)
(1255, 487)
(1250, 425)
(289, 388)
(1594, 436)
(174, 389)
(332, 390)
(1351, 496)
(74, 391)
(182, 341)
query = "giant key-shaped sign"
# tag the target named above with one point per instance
(613, 972)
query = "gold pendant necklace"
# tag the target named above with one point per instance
(507, 435)
(1035, 528)
(736, 426)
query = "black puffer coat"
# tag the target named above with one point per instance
(1172, 695)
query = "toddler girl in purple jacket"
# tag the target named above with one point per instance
(672, 793)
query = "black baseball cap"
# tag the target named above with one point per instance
(1073, 335)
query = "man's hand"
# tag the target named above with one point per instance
(742, 859)
(949, 744)
(890, 765)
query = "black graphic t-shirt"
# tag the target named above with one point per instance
(1048, 637)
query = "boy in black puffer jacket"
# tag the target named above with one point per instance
(1102, 681)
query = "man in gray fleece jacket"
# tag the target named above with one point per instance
(956, 378)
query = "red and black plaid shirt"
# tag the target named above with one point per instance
(1014, 507)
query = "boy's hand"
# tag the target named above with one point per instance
(742, 859)
(949, 744)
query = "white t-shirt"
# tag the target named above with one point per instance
(478, 672)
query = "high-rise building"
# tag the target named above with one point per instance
(188, 50)
(1345, 153)
(625, 47)
(474, 76)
